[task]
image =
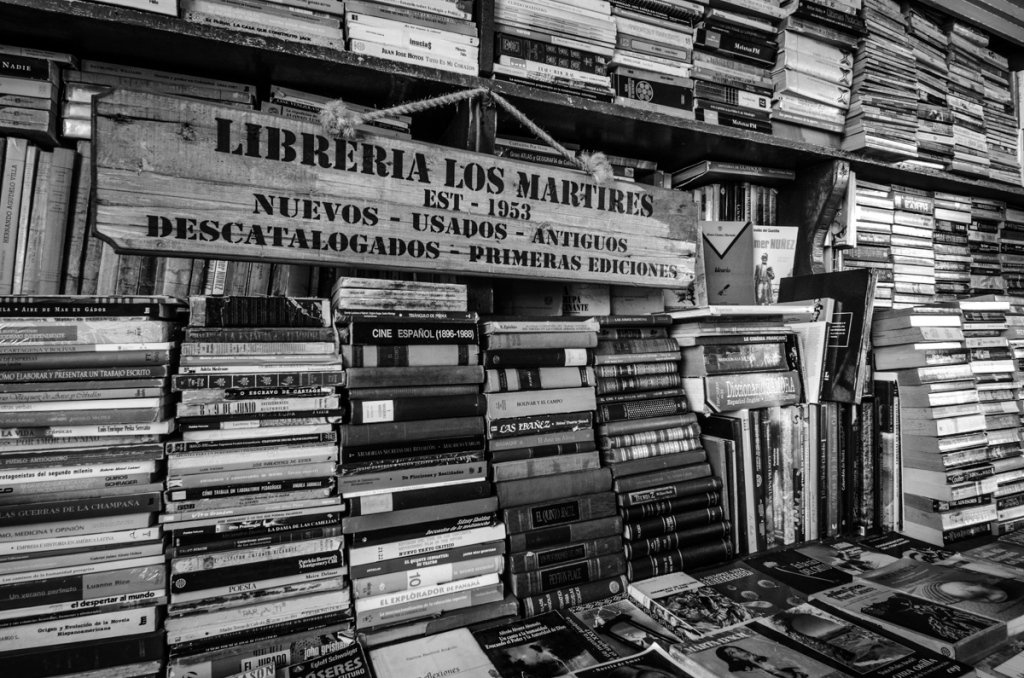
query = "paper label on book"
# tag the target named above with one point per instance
(377, 411)
(728, 257)
(219, 182)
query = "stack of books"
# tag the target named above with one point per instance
(253, 514)
(734, 50)
(29, 88)
(1011, 250)
(1001, 128)
(882, 120)
(983, 238)
(912, 247)
(314, 22)
(307, 107)
(987, 333)
(934, 118)
(425, 543)
(561, 45)
(650, 66)
(941, 423)
(564, 536)
(96, 77)
(726, 191)
(952, 246)
(434, 33)
(814, 69)
(873, 232)
(966, 99)
(651, 442)
(84, 406)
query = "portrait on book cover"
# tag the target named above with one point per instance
(747, 654)
(856, 648)
(555, 654)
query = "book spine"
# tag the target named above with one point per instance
(530, 403)
(666, 524)
(668, 507)
(690, 557)
(99, 627)
(549, 53)
(669, 476)
(525, 561)
(581, 573)
(644, 409)
(565, 533)
(528, 468)
(538, 357)
(559, 512)
(414, 409)
(572, 596)
(651, 450)
(541, 423)
(643, 548)
(427, 559)
(418, 579)
(668, 492)
(536, 490)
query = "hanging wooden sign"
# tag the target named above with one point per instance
(178, 177)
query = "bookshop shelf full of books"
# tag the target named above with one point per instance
(511, 339)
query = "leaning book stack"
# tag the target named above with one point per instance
(650, 440)
(734, 49)
(29, 88)
(966, 98)
(914, 251)
(565, 544)
(84, 407)
(983, 236)
(426, 546)
(947, 475)
(651, 63)
(252, 509)
(439, 34)
(882, 120)
(872, 219)
(561, 45)
(1001, 135)
(934, 118)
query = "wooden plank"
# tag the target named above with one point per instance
(186, 178)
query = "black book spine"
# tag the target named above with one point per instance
(641, 548)
(541, 423)
(405, 533)
(416, 409)
(186, 582)
(255, 542)
(669, 491)
(546, 557)
(194, 493)
(549, 53)
(565, 534)
(539, 451)
(642, 409)
(677, 560)
(188, 382)
(538, 357)
(85, 657)
(704, 500)
(411, 499)
(653, 527)
(190, 536)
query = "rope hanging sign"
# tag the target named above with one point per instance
(196, 179)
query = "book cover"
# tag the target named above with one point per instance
(852, 649)
(774, 254)
(543, 646)
(899, 546)
(762, 594)
(686, 606)
(654, 662)
(1005, 662)
(846, 366)
(623, 625)
(852, 559)
(746, 650)
(806, 575)
(441, 655)
(728, 251)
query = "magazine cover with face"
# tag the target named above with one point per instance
(853, 649)
(623, 625)
(852, 559)
(654, 662)
(746, 651)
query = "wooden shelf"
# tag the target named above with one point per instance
(110, 33)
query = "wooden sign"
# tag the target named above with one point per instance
(184, 178)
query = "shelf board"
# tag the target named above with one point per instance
(111, 33)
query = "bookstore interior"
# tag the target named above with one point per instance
(511, 339)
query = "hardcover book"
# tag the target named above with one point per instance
(846, 365)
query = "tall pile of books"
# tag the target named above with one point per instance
(651, 442)
(882, 119)
(252, 512)
(307, 107)
(934, 119)
(434, 33)
(966, 99)
(562, 45)
(947, 479)
(912, 247)
(29, 88)
(952, 245)
(987, 334)
(565, 545)
(734, 49)
(84, 406)
(1011, 250)
(426, 547)
(872, 219)
(1001, 117)
(983, 237)
(814, 69)
(650, 67)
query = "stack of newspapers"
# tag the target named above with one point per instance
(425, 542)
(84, 406)
(434, 33)
(562, 45)
(307, 107)
(252, 510)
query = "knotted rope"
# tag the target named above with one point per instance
(338, 120)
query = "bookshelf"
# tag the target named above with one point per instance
(102, 32)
